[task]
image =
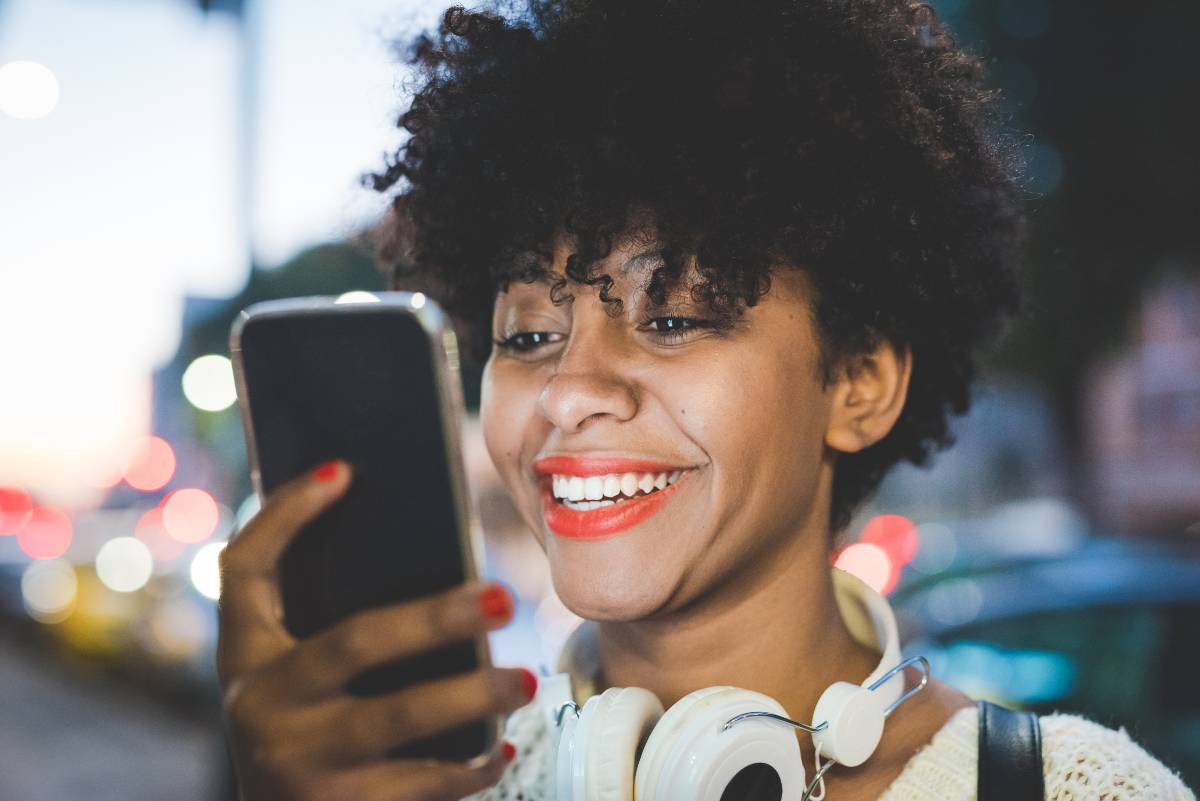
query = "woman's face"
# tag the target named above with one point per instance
(741, 411)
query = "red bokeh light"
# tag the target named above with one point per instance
(151, 464)
(190, 515)
(871, 564)
(895, 534)
(150, 530)
(47, 534)
(15, 508)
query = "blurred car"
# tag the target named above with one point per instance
(1109, 630)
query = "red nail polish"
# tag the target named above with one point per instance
(495, 602)
(326, 472)
(531, 682)
(509, 750)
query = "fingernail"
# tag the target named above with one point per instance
(326, 471)
(495, 602)
(531, 682)
(509, 751)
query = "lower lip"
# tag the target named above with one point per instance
(593, 524)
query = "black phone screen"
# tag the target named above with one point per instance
(360, 384)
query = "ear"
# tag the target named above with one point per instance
(868, 398)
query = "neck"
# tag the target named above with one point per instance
(775, 630)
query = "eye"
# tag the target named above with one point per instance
(675, 329)
(525, 341)
(666, 330)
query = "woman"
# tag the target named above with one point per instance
(748, 250)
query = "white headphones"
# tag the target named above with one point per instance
(726, 743)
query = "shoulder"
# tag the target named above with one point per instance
(1083, 759)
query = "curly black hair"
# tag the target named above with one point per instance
(852, 139)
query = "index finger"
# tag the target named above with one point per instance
(250, 608)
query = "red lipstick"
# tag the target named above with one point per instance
(610, 520)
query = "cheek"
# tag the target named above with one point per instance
(492, 411)
(505, 405)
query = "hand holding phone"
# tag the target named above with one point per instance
(294, 731)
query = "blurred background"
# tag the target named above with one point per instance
(165, 163)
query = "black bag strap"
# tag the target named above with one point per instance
(1010, 755)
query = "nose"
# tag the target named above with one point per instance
(589, 384)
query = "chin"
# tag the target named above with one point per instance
(603, 593)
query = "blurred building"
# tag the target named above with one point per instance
(1143, 421)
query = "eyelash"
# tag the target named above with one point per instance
(669, 337)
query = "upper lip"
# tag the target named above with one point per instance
(568, 464)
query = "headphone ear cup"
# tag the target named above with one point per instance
(623, 720)
(690, 756)
(662, 740)
(855, 716)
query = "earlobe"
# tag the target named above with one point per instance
(868, 398)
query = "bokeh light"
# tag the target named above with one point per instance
(939, 547)
(206, 570)
(28, 90)
(208, 383)
(1045, 167)
(46, 534)
(105, 473)
(48, 589)
(357, 296)
(15, 509)
(248, 509)
(895, 534)
(124, 564)
(869, 563)
(955, 602)
(151, 464)
(151, 531)
(180, 628)
(190, 515)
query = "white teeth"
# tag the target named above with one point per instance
(593, 488)
(621, 486)
(575, 488)
(586, 506)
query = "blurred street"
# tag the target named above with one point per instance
(64, 735)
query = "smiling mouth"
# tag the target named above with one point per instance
(595, 518)
(584, 494)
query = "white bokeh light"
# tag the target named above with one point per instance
(124, 564)
(28, 90)
(208, 383)
(206, 570)
(48, 588)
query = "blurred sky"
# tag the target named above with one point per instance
(125, 197)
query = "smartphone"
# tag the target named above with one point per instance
(375, 383)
